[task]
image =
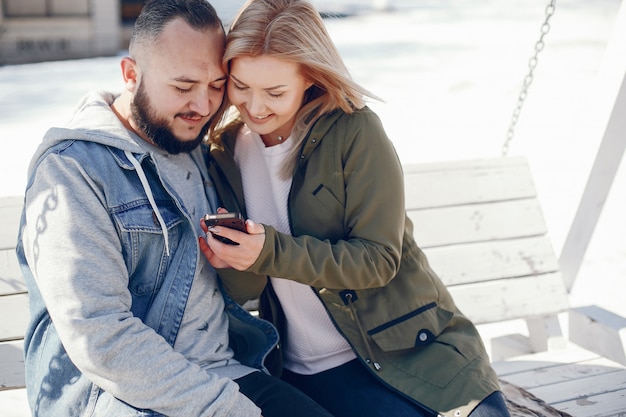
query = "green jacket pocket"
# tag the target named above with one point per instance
(417, 328)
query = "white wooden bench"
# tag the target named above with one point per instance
(482, 228)
(481, 225)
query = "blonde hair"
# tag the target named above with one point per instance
(293, 30)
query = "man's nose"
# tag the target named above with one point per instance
(200, 102)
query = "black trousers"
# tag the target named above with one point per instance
(350, 390)
(277, 398)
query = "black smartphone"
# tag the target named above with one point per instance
(232, 220)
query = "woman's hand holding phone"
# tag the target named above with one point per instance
(231, 241)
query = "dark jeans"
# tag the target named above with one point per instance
(492, 406)
(350, 390)
(276, 398)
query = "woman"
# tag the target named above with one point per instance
(368, 328)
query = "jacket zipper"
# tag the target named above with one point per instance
(371, 360)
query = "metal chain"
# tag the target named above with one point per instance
(532, 64)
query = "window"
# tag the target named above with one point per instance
(130, 10)
(46, 8)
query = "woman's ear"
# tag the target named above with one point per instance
(130, 73)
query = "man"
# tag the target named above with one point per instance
(127, 317)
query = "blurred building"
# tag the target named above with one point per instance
(50, 30)
(43, 30)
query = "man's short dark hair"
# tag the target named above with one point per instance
(156, 14)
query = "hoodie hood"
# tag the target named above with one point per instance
(94, 110)
(94, 121)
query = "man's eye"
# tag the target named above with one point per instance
(183, 90)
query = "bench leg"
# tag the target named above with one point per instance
(545, 334)
(599, 331)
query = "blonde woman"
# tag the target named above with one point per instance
(367, 327)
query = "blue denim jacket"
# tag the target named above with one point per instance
(159, 284)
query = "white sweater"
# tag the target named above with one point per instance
(314, 344)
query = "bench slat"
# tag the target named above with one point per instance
(15, 314)
(609, 404)
(564, 372)
(556, 370)
(440, 184)
(541, 362)
(10, 212)
(490, 260)
(582, 388)
(12, 364)
(14, 403)
(477, 223)
(11, 279)
(508, 299)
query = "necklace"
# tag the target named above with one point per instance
(269, 141)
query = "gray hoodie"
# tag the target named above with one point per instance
(109, 252)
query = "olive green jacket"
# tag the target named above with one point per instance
(353, 244)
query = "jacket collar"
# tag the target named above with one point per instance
(317, 133)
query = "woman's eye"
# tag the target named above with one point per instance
(275, 95)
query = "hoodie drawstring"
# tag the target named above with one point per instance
(148, 190)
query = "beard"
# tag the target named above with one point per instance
(156, 128)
